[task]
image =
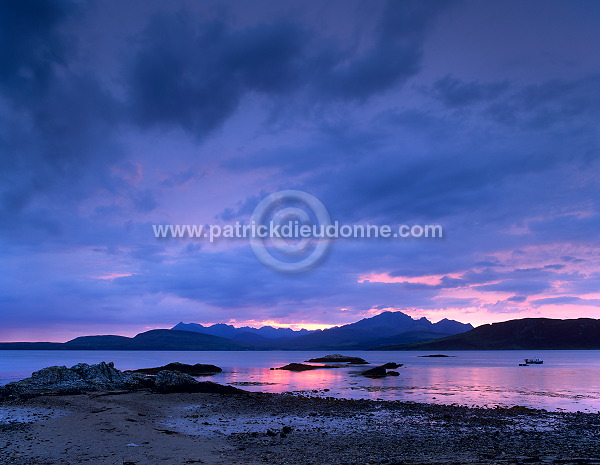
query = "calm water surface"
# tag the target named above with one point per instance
(568, 380)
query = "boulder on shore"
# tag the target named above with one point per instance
(77, 379)
(198, 369)
(338, 358)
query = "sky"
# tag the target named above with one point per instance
(115, 116)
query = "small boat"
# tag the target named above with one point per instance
(523, 365)
(533, 361)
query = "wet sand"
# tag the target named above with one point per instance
(149, 428)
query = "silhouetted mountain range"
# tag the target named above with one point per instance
(387, 331)
(386, 328)
(526, 333)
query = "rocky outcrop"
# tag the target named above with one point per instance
(77, 379)
(104, 376)
(198, 369)
(339, 358)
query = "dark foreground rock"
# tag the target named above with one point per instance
(338, 358)
(77, 379)
(198, 369)
(82, 378)
(303, 367)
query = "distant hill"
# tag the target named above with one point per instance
(156, 339)
(231, 332)
(32, 346)
(526, 333)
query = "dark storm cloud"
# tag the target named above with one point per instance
(395, 56)
(194, 76)
(30, 45)
(56, 117)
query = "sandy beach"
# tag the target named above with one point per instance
(150, 428)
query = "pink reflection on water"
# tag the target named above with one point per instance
(568, 381)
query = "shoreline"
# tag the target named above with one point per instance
(565, 383)
(250, 428)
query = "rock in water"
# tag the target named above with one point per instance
(391, 365)
(198, 369)
(381, 371)
(302, 367)
(338, 358)
(377, 372)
